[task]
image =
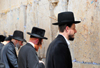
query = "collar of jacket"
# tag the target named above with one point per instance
(65, 39)
(31, 43)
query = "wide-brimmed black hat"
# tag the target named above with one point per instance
(37, 32)
(8, 38)
(2, 38)
(18, 35)
(66, 18)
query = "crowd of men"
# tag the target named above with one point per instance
(58, 53)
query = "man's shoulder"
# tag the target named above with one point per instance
(6, 46)
(27, 46)
(25, 49)
(58, 43)
(9, 46)
(58, 40)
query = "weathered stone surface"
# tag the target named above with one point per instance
(3, 21)
(86, 45)
(43, 15)
(80, 65)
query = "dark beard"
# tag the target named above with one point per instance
(70, 38)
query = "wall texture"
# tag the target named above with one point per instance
(24, 14)
(85, 48)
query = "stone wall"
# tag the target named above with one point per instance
(85, 48)
(24, 14)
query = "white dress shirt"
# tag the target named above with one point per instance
(65, 39)
(31, 43)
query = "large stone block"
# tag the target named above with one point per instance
(3, 22)
(7, 5)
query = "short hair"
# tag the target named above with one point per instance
(62, 27)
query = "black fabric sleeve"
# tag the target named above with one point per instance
(12, 57)
(33, 61)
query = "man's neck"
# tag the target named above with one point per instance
(65, 38)
(64, 34)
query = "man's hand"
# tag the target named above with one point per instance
(41, 62)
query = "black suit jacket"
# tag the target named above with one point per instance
(28, 58)
(8, 56)
(58, 54)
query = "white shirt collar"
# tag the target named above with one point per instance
(65, 39)
(31, 43)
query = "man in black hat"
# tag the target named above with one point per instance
(8, 53)
(28, 57)
(58, 53)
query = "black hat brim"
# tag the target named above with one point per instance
(35, 35)
(8, 38)
(66, 22)
(20, 39)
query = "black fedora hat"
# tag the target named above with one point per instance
(37, 32)
(66, 18)
(18, 35)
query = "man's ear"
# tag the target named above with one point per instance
(67, 28)
(36, 41)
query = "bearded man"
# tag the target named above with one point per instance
(28, 57)
(58, 54)
(8, 53)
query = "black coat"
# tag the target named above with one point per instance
(1, 46)
(58, 54)
(28, 58)
(8, 56)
